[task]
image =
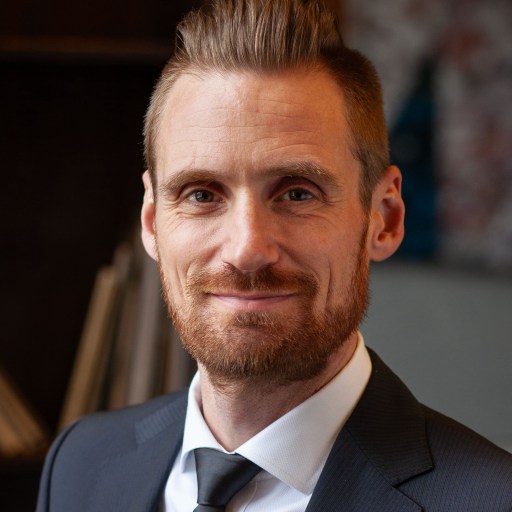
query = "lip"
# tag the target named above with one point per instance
(252, 302)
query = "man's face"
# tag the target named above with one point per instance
(260, 234)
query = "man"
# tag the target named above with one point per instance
(268, 192)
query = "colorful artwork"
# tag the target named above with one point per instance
(468, 45)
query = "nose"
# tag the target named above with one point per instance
(250, 243)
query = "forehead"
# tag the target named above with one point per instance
(243, 119)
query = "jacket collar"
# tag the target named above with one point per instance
(383, 443)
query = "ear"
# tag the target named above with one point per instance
(386, 230)
(147, 218)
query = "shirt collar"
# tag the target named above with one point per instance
(295, 447)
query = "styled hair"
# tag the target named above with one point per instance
(269, 36)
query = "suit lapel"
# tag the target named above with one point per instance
(351, 483)
(382, 444)
(134, 480)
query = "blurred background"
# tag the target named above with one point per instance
(76, 79)
(441, 311)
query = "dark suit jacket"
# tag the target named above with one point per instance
(393, 455)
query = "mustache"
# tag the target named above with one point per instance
(267, 279)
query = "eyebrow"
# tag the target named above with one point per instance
(180, 178)
(301, 169)
(304, 169)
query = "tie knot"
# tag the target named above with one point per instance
(219, 477)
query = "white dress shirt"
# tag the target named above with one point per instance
(292, 451)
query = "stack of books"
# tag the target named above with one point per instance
(129, 350)
(128, 353)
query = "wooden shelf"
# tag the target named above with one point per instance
(65, 48)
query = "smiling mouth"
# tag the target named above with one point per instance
(253, 301)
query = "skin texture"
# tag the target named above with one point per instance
(261, 239)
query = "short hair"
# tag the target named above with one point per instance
(268, 36)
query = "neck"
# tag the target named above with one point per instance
(236, 411)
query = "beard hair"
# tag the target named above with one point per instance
(281, 349)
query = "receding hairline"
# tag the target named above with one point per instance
(274, 36)
(203, 73)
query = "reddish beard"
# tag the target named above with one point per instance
(282, 348)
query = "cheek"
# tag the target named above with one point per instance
(184, 247)
(337, 264)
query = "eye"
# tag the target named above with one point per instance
(203, 196)
(297, 194)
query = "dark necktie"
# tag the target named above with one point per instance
(219, 477)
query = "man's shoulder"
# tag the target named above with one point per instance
(448, 440)
(469, 470)
(116, 446)
(431, 458)
(459, 446)
(121, 429)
